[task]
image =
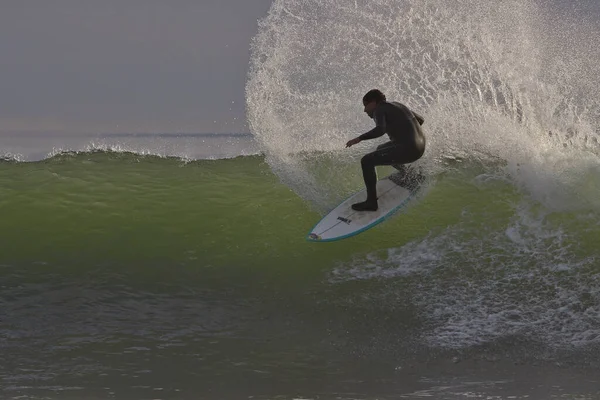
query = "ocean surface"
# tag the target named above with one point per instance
(175, 266)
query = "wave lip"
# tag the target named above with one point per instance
(190, 146)
(10, 157)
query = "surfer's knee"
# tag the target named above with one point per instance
(367, 160)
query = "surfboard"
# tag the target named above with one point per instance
(343, 222)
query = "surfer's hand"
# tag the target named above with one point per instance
(353, 142)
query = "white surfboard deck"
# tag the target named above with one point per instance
(343, 222)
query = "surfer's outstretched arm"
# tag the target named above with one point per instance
(378, 114)
(373, 133)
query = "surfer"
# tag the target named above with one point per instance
(406, 145)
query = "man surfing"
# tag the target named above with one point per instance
(406, 145)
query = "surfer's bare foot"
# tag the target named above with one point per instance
(365, 206)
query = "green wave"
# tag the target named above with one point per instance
(108, 206)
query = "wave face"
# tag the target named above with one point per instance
(81, 204)
(476, 261)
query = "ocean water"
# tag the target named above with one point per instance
(175, 267)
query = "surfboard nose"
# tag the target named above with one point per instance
(314, 237)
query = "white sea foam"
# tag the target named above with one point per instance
(509, 85)
(478, 282)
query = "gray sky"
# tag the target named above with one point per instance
(103, 66)
(91, 66)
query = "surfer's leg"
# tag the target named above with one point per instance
(370, 176)
(407, 176)
(401, 175)
(384, 155)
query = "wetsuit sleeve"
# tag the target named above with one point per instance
(372, 134)
(418, 117)
(379, 130)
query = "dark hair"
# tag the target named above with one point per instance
(374, 95)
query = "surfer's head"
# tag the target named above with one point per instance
(371, 99)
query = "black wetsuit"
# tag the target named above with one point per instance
(407, 142)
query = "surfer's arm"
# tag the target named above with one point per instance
(418, 117)
(373, 133)
(379, 130)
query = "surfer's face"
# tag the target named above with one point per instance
(370, 108)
